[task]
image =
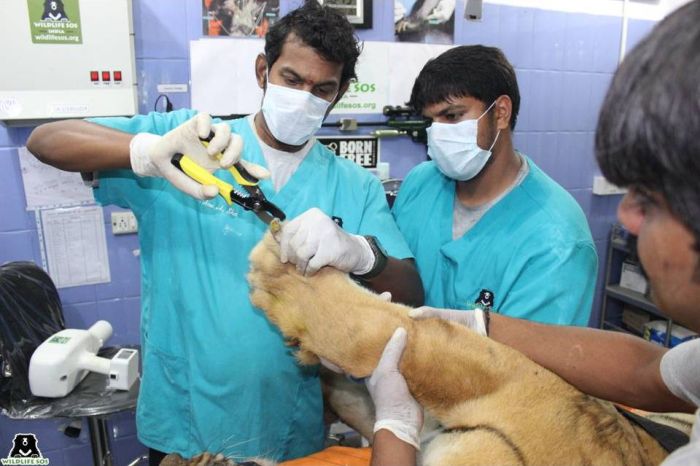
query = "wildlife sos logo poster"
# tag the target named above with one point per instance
(55, 21)
(24, 451)
(370, 92)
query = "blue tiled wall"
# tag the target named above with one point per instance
(564, 63)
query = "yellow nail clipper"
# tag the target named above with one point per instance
(255, 201)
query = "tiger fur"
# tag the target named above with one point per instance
(496, 405)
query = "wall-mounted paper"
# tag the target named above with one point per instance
(223, 76)
(75, 246)
(46, 186)
(371, 90)
(406, 60)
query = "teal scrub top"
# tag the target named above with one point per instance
(531, 254)
(217, 375)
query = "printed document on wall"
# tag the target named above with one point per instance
(46, 186)
(75, 246)
(385, 75)
(223, 75)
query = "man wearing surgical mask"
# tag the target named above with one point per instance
(487, 227)
(298, 97)
(217, 376)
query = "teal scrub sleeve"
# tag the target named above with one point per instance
(406, 190)
(153, 122)
(378, 221)
(397, 208)
(555, 287)
(123, 187)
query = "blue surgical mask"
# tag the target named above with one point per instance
(454, 149)
(292, 116)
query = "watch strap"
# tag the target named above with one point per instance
(380, 259)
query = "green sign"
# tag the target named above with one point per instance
(55, 21)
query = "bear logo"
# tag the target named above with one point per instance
(25, 446)
(54, 11)
(485, 299)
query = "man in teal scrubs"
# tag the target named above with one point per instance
(658, 163)
(487, 227)
(217, 376)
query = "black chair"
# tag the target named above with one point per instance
(30, 312)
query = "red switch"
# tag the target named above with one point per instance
(94, 76)
(105, 76)
(117, 75)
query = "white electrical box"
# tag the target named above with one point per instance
(124, 223)
(66, 59)
(602, 187)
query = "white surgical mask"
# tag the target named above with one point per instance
(454, 149)
(292, 116)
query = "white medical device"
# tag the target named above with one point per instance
(66, 59)
(64, 359)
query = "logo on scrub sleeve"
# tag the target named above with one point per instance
(485, 299)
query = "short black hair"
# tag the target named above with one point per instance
(475, 71)
(648, 135)
(322, 28)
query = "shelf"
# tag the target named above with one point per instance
(610, 325)
(634, 298)
(619, 246)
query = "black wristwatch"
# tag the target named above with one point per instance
(380, 259)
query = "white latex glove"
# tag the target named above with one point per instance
(396, 410)
(151, 154)
(442, 12)
(473, 319)
(313, 240)
(384, 296)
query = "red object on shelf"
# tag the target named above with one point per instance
(117, 75)
(105, 76)
(94, 76)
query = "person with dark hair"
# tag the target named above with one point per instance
(487, 227)
(647, 141)
(217, 376)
